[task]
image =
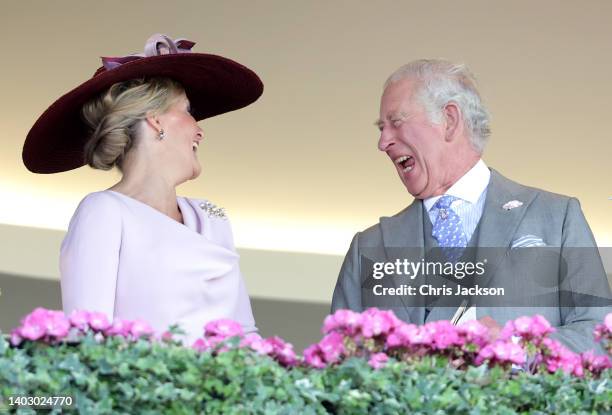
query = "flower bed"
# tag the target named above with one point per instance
(368, 362)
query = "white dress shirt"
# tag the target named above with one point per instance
(471, 191)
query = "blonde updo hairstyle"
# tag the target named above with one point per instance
(114, 116)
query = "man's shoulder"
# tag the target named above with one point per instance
(539, 196)
(374, 232)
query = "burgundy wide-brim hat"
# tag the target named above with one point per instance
(213, 84)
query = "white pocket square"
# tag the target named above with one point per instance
(527, 241)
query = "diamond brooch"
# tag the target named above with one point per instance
(212, 210)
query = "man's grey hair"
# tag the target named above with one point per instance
(439, 82)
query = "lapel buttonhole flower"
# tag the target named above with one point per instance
(512, 204)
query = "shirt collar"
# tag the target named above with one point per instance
(469, 187)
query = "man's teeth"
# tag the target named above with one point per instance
(402, 159)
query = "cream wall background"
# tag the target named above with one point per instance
(298, 171)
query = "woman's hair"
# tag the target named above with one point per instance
(113, 117)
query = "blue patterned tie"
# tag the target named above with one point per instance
(448, 229)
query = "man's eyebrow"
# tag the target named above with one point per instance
(398, 115)
(393, 116)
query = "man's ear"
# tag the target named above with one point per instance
(454, 121)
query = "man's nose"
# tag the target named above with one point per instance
(385, 140)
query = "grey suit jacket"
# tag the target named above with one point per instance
(565, 281)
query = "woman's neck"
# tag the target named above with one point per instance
(153, 191)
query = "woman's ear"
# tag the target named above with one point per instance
(152, 120)
(454, 121)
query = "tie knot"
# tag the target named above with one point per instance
(445, 201)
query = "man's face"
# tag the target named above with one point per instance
(415, 145)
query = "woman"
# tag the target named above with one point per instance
(136, 250)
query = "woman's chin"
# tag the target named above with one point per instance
(197, 170)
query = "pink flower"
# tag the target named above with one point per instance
(401, 336)
(599, 332)
(608, 322)
(540, 327)
(502, 351)
(551, 347)
(223, 328)
(522, 325)
(56, 324)
(486, 353)
(378, 360)
(166, 336)
(346, 321)
(313, 357)
(604, 332)
(423, 336)
(42, 322)
(509, 352)
(214, 341)
(15, 338)
(260, 345)
(33, 325)
(376, 322)
(283, 352)
(287, 356)
(250, 338)
(140, 328)
(594, 363)
(332, 347)
(556, 356)
(508, 331)
(530, 328)
(444, 335)
(98, 321)
(275, 347)
(474, 332)
(200, 345)
(119, 327)
(79, 319)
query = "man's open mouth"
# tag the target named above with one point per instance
(406, 163)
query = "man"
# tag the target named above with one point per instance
(534, 248)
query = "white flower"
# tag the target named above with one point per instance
(512, 204)
(303, 383)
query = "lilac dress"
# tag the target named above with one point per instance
(128, 260)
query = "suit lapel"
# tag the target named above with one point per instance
(498, 225)
(404, 231)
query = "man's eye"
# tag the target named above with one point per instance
(396, 123)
